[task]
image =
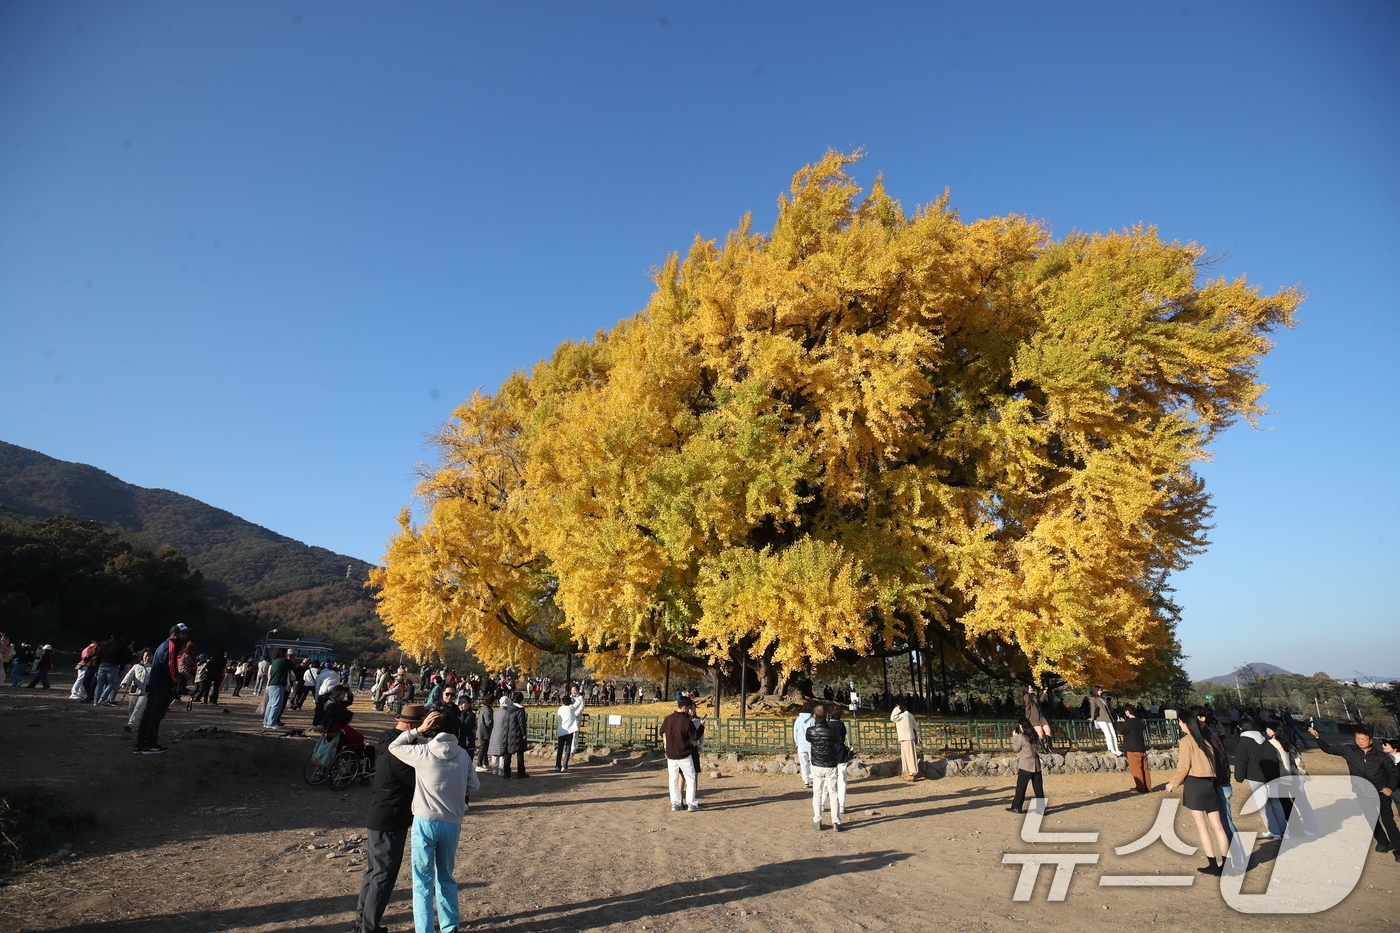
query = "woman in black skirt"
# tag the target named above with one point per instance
(1195, 774)
(1034, 705)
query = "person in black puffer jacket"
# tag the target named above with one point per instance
(1257, 764)
(517, 737)
(826, 741)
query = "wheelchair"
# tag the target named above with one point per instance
(337, 767)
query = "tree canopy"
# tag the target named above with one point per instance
(863, 432)
(69, 581)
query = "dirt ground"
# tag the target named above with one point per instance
(221, 833)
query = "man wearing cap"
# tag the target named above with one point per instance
(43, 663)
(326, 681)
(390, 816)
(160, 690)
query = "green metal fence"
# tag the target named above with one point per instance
(772, 736)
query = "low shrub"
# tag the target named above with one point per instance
(34, 823)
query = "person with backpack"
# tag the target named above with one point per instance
(111, 658)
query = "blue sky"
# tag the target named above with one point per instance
(254, 252)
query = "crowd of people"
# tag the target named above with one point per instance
(426, 773)
(1266, 757)
(426, 767)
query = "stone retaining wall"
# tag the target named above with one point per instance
(930, 766)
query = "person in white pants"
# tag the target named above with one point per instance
(833, 719)
(678, 737)
(1102, 715)
(823, 737)
(135, 682)
(804, 748)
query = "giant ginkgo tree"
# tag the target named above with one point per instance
(863, 432)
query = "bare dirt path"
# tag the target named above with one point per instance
(222, 834)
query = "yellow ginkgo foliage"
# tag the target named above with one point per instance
(862, 432)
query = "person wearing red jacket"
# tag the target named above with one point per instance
(160, 690)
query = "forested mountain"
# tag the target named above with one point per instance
(270, 578)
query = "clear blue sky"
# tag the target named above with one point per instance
(254, 252)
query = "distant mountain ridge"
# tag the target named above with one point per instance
(243, 563)
(1259, 666)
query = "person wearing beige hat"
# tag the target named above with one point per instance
(390, 817)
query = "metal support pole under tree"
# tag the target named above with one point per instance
(667, 691)
(927, 670)
(885, 674)
(568, 672)
(743, 691)
(943, 666)
(714, 672)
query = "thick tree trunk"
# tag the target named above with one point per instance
(768, 677)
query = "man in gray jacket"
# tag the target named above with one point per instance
(444, 776)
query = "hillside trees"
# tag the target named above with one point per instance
(67, 581)
(1254, 682)
(865, 432)
(255, 578)
(1323, 685)
(1388, 699)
